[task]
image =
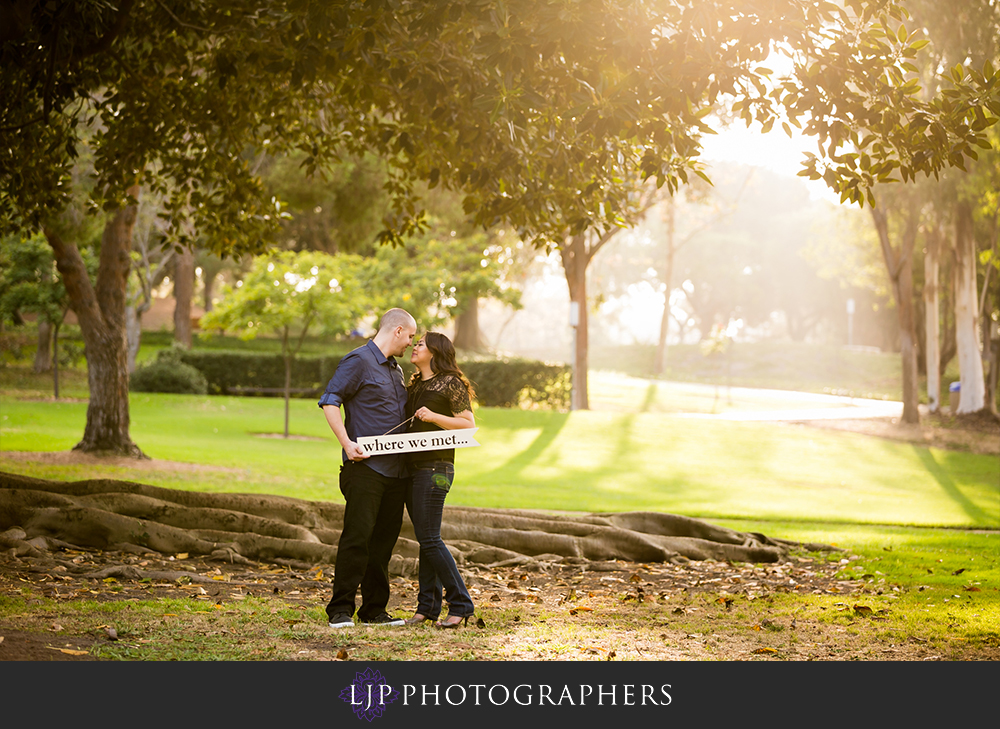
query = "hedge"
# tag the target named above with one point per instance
(499, 382)
(167, 374)
(515, 382)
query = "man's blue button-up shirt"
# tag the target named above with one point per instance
(370, 387)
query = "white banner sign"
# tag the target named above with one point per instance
(435, 440)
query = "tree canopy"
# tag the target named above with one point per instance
(535, 110)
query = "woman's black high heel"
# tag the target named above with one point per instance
(447, 623)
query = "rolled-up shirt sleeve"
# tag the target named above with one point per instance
(345, 382)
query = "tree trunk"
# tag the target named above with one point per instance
(210, 277)
(970, 363)
(660, 360)
(899, 264)
(575, 260)
(133, 334)
(183, 292)
(932, 322)
(100, 311)
(211, 267)
(43, 355)
(55, 359)
(468, 335)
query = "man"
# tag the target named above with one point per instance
(369, 384)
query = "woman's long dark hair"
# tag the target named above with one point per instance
(443, 360)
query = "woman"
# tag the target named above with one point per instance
(439, 398)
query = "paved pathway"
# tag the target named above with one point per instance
(826, 407)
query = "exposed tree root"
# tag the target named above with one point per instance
(37, 516)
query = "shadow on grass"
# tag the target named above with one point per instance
(554, 424)
(949, 486)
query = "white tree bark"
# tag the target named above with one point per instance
(970, 362)
(932, 323)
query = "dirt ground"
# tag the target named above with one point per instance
(977, 433)
(598, 611)
(609, 610)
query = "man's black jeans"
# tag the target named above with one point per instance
(372, 518)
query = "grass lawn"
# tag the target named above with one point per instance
(585, 460)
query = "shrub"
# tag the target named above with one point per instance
(506, 382)
(227, 371)
(515, 382)
(168, 374)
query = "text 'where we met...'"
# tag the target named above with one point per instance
(377, 445)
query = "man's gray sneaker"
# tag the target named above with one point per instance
(384, 619)
(342, 620)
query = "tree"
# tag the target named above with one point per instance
(292, 294)
(336, 210)
(28, 283)
(576, 252)
(899, 263)
(151, 259)
(535, 111)
(944, 209)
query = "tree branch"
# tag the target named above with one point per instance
(79, 289)
(104, 42)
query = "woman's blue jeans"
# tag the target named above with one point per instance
(425, 504)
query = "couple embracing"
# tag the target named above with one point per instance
(369, 384)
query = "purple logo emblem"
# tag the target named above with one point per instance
(369, 694)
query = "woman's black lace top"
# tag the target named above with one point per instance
(444, 394)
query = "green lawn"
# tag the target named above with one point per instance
(598, 460)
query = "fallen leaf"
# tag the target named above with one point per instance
(342, 654)
(576, 610)
(611, 654)
(959, 571)
(764, 651)
(69, 651)
(1, 639)
(634, 578)
(319, 575)
(863, 610)
(56, 627)
(494, 598)
(678, 611)
(480, 623)
(112, 633)
(971, 588)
